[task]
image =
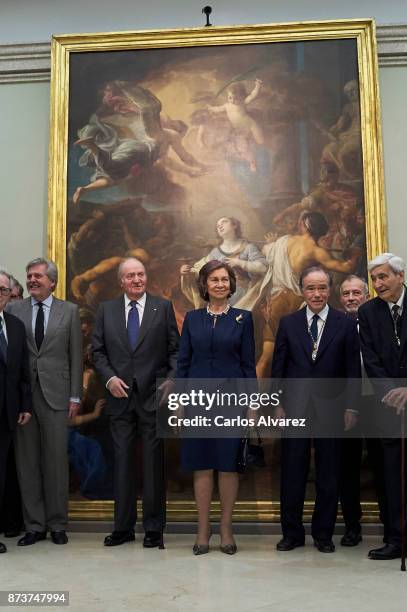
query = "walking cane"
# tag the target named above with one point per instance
(403, 493)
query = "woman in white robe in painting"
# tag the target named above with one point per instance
(243, 256)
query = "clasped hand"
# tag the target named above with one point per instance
(396, 398)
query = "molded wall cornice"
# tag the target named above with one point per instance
(30, 62)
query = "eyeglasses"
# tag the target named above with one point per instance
(5, 290)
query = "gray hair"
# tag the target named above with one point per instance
(16, 283)
(311, 269)
(355, 277)
(125, 260)
(395, 262)
(51, 270)
(7, 275)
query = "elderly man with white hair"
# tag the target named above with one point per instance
(383, 336)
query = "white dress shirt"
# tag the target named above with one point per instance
(399, 303)
(46, 307)
(141, 304)
(321, 321)
(4, 327)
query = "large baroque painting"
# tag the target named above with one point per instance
(265, 154)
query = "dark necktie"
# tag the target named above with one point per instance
(3, 343)
(133, 325)
(39, 325)
(396, 320)
(314, 328)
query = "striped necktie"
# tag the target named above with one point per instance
(3, 342)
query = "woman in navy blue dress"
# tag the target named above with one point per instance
(217, 342)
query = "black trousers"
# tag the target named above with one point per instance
(392, 478)
(350, 480)
(11, 514)
(366, 433)
(5, 443)
(124, 429)
(295, 461)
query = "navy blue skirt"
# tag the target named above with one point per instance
(209, 454)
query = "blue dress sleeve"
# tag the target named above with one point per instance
(185, 351)
(247, 349)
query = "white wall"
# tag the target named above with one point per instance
(393, 82)
(36, 20)
(24, 111)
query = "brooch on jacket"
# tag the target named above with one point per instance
(239, 318)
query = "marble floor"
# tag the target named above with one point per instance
(256, 579)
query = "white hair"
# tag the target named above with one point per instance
(123, 263)
(395, 262)
(7, 275)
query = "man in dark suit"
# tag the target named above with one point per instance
(135, 342)
(312, 344)
(11, 513)
(55, 353)
(383, 336)
(354, 292)
(15, 393)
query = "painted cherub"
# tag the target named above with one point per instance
(236, 112)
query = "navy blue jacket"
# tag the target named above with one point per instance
(223, 351)
(338, 359)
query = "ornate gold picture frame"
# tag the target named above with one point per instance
(156, 135)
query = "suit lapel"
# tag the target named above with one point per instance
(119, 319)
(150, 311)
(403, 338)
(303, 332)
(54, 320)
(11, 336)
(386, 321)
(26, 317)
(329, 331)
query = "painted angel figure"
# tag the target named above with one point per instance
(127, 135)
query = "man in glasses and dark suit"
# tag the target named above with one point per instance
(15, 392)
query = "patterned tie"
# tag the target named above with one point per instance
(39, 326)
(133, 325)
(396, 319)
(314, 328)
(3, 343)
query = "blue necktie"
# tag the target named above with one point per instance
(133, 325)
(3, 343)
(314, 328)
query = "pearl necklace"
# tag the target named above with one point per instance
(215, 315)
(218, 314)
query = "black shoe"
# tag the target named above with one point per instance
(152, 539)
(12, 533)
(3, 548)
(59, 537)
(289, 544)
(228, 549)
(325, 546)
(32, 537)
(119, 537)
(390, 551)
(200, 549)
(351, 538)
